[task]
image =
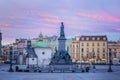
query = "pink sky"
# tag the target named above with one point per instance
(24, 18)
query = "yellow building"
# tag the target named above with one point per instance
(115, 54)
(90, 49)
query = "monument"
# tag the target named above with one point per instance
(61, 56)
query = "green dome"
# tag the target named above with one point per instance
(40, 35)
(40, 44)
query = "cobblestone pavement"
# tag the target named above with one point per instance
(100, 74)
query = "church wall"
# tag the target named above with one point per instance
(44, 55)
(31, 61)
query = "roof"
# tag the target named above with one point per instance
(41, 44)
(93, 38)
(30, 52)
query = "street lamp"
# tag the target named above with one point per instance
(10, 69)
(94, 61)
(110, 61)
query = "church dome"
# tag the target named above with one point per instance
(41, 44)
(40, 35)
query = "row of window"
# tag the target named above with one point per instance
(93, 50)
(114, 55)
(91, 56)
(98, 44)
(93, 38)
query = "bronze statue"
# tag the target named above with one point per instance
(62, 29)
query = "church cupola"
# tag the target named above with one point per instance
(41, 37)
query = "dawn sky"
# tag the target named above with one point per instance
(27, 18)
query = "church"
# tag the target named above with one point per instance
(37, 54)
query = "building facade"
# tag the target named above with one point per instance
(115, 54)
(90, 49)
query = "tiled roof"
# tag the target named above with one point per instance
(30, 52)
(93, 38)
(41, 44)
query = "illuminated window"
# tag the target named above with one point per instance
(103, 55)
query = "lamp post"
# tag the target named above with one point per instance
(28, 60)
(110, 61)
(94, 61)
(10, 69)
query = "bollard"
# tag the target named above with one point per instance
(16, 68)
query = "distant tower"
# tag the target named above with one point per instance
(29, 43)
(0, 44)
(40, 37)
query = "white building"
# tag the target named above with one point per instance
(38, 54)
(44, 53)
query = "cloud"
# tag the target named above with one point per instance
(99, 16)
(118, 29)
(8, 40)
(4, 24)
(52, 20)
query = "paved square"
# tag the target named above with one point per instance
(100, 74)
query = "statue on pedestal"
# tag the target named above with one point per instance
(61, 56)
